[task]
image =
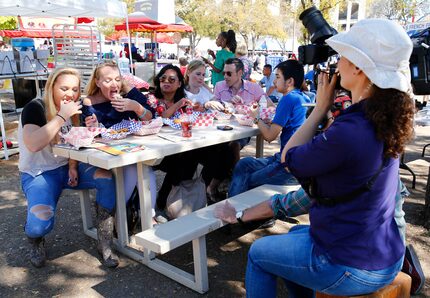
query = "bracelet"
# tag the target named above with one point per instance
(143, 114)
(61, 117)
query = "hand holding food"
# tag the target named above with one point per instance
(237, 99)
(214, 105)
(69, 108)
(197, 106)
(254, 111)
(122, 104)
(91, 121)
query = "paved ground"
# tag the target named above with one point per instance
(73, 268)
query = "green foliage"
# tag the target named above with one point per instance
(202, 15)
(251, 19)
(8, 23)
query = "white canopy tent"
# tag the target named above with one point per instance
(61, 8)
(65, 8)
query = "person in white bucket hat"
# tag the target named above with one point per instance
(352, 245)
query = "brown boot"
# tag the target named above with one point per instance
(37, 252)
(105, 224)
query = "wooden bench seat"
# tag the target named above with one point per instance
(193, 228)
(399, 288)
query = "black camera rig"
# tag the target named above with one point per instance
(318, 51)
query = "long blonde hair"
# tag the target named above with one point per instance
(192, 66)
(92, 88)
(48, 98)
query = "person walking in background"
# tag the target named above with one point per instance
(227, 42)
(267, 82)
(242, 54)
(44, 175)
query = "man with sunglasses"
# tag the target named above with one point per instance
(235, 90)
(234, 87)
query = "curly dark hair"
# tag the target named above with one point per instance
(391, 112)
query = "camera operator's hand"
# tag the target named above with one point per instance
(325, 91)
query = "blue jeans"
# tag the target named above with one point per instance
(251, 172)
(291, 256)
(45, 190)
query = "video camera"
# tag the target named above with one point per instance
(419, 62)
(319, 51)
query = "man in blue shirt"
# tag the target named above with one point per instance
(267, 81)
(251, 172)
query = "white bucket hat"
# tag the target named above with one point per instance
(380, 48)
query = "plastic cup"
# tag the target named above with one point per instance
(186, 128)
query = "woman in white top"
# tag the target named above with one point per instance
(217, 160)
(45, 175)
(195, 87)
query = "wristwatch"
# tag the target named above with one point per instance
(239, 216)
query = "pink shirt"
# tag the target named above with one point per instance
(250, 92)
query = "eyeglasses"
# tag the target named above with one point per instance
(228, 73)
(171, 79)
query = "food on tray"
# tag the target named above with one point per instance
(122, 130)
(177, 121)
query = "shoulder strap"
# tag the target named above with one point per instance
(353, 194)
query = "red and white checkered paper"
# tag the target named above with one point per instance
(242, 109)
(221, 116)
(151, 127)
(204, 120)
(244, 119)
(268, 113)
(81, 136)
(136, 81)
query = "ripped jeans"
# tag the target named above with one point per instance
(45, 189)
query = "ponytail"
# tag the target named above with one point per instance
(231, 41)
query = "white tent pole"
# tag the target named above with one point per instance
(129, 41)
(155, 53)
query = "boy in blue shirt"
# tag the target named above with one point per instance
(251, 172)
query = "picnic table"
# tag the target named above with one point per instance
(156, 148)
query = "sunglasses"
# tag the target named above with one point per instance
(228, 73)
(171, 79)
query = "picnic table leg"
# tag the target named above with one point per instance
(87, 220)
(200, 264)
(259, 146)
(145, 202)
(121, 216)
(3, 134)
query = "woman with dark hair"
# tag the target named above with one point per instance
(352, 246)
(169, 91)
(169, 96)
(227, 42)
